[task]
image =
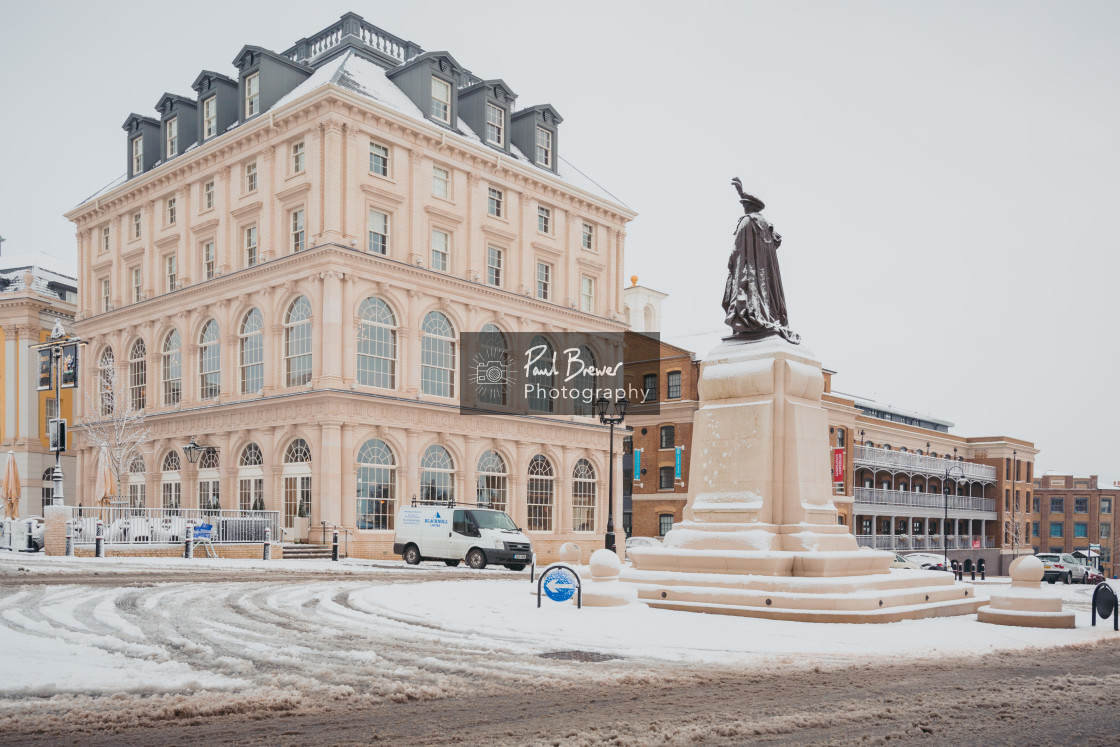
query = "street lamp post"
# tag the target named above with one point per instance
(601, 406)
(55, 343)
(945, 521)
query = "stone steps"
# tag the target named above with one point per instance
(307, 552)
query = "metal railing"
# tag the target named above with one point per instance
(908, 460)
(907, 499)
(917, 542)
(151, 526)
(388, 44)
(327, 529)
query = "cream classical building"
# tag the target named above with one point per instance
(286, 268)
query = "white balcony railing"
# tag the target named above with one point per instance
(906, 499)
(908, 460)
(918, 542)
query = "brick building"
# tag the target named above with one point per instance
(1071, 513)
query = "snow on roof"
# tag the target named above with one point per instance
(45, 269)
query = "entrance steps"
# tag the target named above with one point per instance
(294, 551)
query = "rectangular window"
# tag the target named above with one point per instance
(664, 524)
(1037, 505)
(297, 235)
(1106, 505)
(297, 157)
(136, 220)
(441, 100)
(172, 274)
(210, 117)
(668, 436)
(544, 147)
(544, 220)
(441, 248)
(252, 95)
(649, 388)
(1034, 528)
(378, 159)
(378, 232)
(588, 239)
(544, 281)
(106, 299)
(251, 177)
(251, 246)
(495, 124)
(675, 387)
(1056, 529)
(137, 285)
(665, 481)
(208, 260)
(170, 210)
(1080, 529)
(105, 239)
(494, 202)
(586, 294)
(1057, 505)
(1081, 505)
(494, 266)
(441, 182)
(137, 155)
(1106, 530)
(208, 195)
(172, 137)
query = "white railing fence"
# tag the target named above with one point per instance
(908, 499)
(915, 542)
(148, 526)
(921, 462)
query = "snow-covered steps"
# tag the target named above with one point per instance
(306, 552)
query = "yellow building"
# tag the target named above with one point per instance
(33, 294)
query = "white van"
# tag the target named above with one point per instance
(453, 533)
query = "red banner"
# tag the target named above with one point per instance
(838, 465)
(976, 543)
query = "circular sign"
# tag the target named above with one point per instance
(1104, 599)
(559, 584)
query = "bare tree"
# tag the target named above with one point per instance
(113, 421)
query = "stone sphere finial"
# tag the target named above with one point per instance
(604, 565)
(1026, 568)
(569, 552)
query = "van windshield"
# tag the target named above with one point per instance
(494, 520)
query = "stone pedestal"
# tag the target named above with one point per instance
(1026, 604)
(760, 534)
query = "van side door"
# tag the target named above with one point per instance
(464, 534)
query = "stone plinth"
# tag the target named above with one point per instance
(760, 535)
(1026, 604)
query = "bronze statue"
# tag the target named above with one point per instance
(753, 298)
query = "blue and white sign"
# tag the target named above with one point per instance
(559, 584)
(637, 465)
(677, 464)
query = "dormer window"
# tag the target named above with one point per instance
(544, 148)
(137, 155)
(441, 100)
(172, 137)
(252, 95)
(210, 117)
(495, 125)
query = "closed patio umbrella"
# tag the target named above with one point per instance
(105, 486)
(10, 490)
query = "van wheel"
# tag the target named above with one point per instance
(476, 559)
(412, 555)
(516, 567)
(451, 563)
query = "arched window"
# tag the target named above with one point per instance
(251, 352)
(297, 343)
(540, 495)
(377, 486)
(541, 379)
(493, 481)
(250, 479)
(107, 379)
(437, 476)
(47, 488)
(297, 482)
(136, 488)
(172, 368)
(210, 361)
(437, 356)
(171, 488)
(377, 345)
(208, 493)
(493, 383)
(138, 375)
(585, 384)
(583, 497)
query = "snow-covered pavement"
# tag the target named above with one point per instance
(273, 635)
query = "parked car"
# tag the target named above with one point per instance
(1062, 566)
(1093, 576)
(930, 561)
(632, 542)
(905, 563)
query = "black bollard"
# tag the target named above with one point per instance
(334, 546)
(268, 543)
(973, 573)
(69, 538)
(188, 544)
(99, 540)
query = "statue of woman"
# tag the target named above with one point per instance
(753, 298)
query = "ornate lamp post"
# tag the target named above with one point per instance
(54, 361)
(945, 522)
(601, 407)
(193, 450)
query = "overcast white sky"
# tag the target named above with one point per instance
(944, 174)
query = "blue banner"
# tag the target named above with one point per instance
(637, 465)
(677, 465)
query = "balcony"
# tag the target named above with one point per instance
(918, 542)
(871, 497)
(908, 461)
